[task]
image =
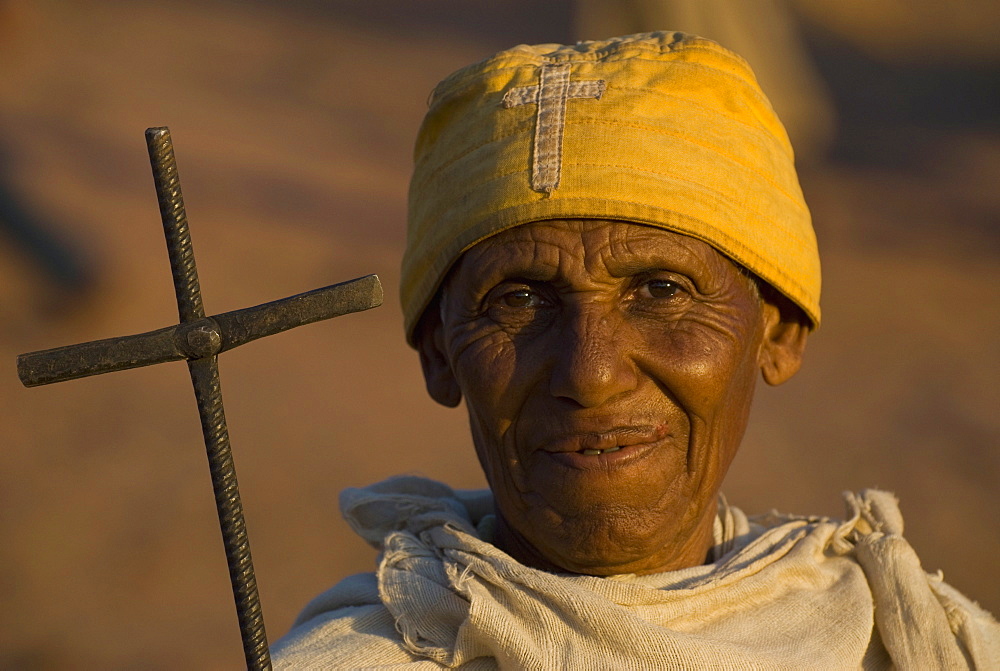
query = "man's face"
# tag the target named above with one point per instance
(608, 370)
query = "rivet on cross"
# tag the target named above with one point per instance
(199, 339)
(551, 94)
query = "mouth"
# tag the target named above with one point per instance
(593, 443)
(606, 448)
(593, 453)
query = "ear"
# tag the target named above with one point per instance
(440, 380)
(784, 343)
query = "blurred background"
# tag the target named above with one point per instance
(293, 123)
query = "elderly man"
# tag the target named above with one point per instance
(607, 245)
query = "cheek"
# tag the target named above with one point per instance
(486, 367)
(686, 358)
(709, 372)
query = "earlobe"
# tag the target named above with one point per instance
(783, 345)
(441, 383)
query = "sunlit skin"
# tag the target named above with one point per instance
(570, 337)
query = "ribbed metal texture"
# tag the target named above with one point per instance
(208, 392)
(175, 224)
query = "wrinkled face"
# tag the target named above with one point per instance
(608, 370)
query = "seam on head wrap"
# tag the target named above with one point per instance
(678, 178)
(686, 138)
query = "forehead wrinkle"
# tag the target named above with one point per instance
(564, 256)
(548, 250)
(518, 254)
(598, 241)
(643, 247)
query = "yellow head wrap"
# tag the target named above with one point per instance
(663, 129)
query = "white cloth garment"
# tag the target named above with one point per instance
(783, 592)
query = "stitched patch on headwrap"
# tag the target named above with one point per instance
(553, 91)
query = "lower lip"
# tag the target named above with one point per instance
(625, 456)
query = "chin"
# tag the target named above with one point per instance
(604, 540)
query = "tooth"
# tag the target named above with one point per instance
(591, 453)
(613, 449)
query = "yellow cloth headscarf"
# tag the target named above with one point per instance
(663, 129)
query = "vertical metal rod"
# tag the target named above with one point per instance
(175, 224)
(208, 391)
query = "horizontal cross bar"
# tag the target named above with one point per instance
(198, 338)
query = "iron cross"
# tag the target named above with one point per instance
(199, 339)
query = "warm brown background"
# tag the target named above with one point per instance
(293, 125)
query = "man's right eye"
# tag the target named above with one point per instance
(522, 298)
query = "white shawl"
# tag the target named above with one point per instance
(783, 592)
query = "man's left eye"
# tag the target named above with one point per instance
(661, 288)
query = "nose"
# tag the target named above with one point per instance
(592, 364)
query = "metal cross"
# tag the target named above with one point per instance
(199, 339)
(553, 90)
